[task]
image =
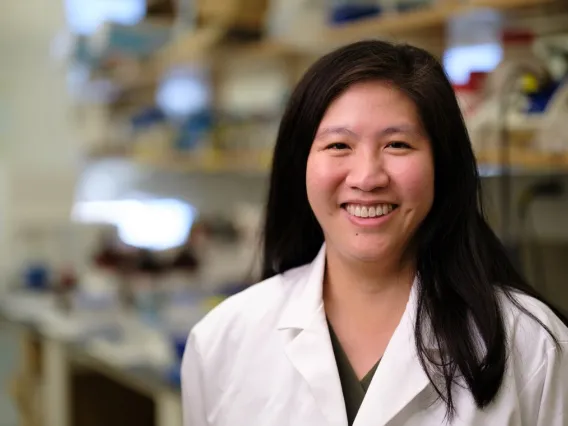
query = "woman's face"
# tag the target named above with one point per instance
(370, 173)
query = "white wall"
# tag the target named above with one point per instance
(37, 140)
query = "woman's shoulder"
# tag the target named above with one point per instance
(520, 311)
(249, 312)
(535, 333)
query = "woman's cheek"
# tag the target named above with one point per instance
(325, 172)
(415, 177)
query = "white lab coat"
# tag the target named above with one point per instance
(264, 358)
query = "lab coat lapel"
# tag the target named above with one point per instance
(309, 346)
(399, 377)
(312, 355)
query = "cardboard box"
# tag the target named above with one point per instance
(240, 14)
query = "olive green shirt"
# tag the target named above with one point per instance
(353, 390)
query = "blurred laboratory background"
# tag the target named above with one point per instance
(136, 140)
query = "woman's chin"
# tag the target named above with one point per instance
(370, 251)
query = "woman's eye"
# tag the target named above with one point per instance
(337, 146)
(398, 145)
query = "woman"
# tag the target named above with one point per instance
(387, 299)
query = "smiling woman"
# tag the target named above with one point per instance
(370, 154)
(387, 299)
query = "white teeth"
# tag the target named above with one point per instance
(365, 211)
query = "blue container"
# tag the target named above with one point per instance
(351, 11)
(36, 277)
(147, 118)
(194, 130)
(539, 101)
(179, 346)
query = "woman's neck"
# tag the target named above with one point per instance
(368, 293)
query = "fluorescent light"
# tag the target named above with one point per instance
(85, 16)
(183, 93)
(459, 61)
(156, 224)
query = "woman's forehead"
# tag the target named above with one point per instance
(372, 107)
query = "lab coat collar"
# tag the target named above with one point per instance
(399, 377)
(307, 294)
(306, 298)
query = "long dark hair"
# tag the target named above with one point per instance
(461, 262)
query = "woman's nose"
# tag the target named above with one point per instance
(367, 173)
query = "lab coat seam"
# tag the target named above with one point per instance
(198, 354)
(193, 343)
(538, 370)
(533, 377)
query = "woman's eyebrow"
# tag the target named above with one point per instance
(402, 128)
(390, 130)
(338, 130)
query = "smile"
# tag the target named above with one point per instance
(363, 211)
